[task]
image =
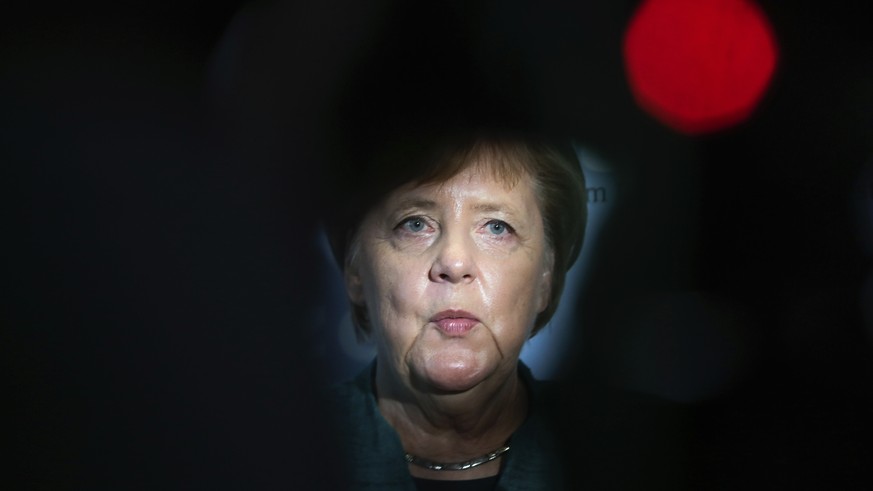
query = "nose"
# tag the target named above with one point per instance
(454, 262)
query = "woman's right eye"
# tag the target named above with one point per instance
(413, 224)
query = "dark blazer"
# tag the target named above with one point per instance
(375, 456)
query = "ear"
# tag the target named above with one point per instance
(545, 287)
(354, 284)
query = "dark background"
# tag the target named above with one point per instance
(165, 170)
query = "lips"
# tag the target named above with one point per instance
(455, 322)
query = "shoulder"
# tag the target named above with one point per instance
(543, 395)
(614, 437)
(352, 400)
(370, 448)
(533, 463)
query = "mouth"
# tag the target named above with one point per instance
(454, 322)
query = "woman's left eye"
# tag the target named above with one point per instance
(498, 227)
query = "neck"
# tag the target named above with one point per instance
(453, 427)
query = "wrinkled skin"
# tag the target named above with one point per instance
(470, 244)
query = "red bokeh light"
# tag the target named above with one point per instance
(699, 65)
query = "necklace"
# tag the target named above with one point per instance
(455, 466)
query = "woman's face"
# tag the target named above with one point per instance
(453, 276)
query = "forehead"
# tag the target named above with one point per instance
(475, 187)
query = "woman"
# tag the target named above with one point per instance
(449, 273)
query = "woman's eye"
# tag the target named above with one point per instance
(414, 224)
(497, 227)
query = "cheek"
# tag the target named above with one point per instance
(394, 288)
(515, 294)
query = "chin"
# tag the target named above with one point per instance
(454, 370)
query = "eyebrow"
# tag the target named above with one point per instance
(490, 208)
(427, 204)
(408, 203)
